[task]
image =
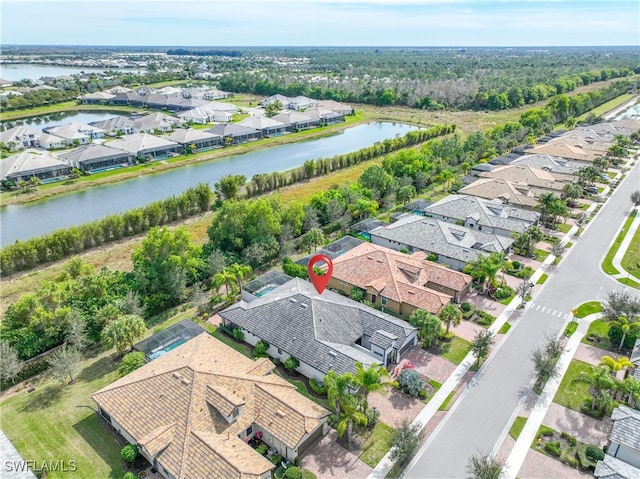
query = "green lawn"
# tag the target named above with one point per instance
(607, 263)
(585, 309)
(540, 254)
(631, 259)
(572, 394)
(606, 107)
(508, 300)
(47, 424)
(445, 404)
(456, 350)
(543, 277)
(504, 329)
(629, 282)
(571, 328)
(377, 445)
(517, 427)
(598, 328)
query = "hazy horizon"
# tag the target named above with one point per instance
(326, 23)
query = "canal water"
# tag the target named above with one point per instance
(41, 122)
(35, 219)
(27, 71)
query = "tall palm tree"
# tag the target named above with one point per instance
(350, 415)
(625, 325)
(375, 378)
(240, 272)
(227, 278)
(599, 380)
(339, 389)
(450, 314)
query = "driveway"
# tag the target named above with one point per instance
(395, 406)
(327, 458)
(538, 466)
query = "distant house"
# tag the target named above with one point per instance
(156, 122)
(567, 151)
(97, 98)
(509, 192)
(396, 281)
(491, 216)
(296, 121)
(146, 146)
(533, 177)
(113, 126)
(552, 164)
(30, 163)
(338, 107)
(268, 126)
(327, 332)
(201, 139)
(451, 244)
(324, 116)
(233, 133)
(20, 137)
(76, 132)
(93, 156)
(199, 116)
(193, 412)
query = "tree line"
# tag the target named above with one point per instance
(24, 255)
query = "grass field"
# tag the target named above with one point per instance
(517, 427)
(543, 277)
(598, 330)
(504, 329)
(631, 259)
(572, 394)
(585, 309)
(457, 350)
(607, 263)
(377, 445)
(53, 425)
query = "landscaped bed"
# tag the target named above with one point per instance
(566, 448)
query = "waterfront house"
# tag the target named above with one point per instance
(94, 156)
(29, 163)
(200, 139)
(233, 133)
(146, 147)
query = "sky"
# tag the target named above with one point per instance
(321, 22)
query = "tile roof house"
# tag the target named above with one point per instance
(623, 127)
(268, 126)
(296, 121)
(144, 145)
(112, 126)
(534, 177)
(553, 164)
(76, 132)
(20, 137)
(29, 163)
(569, 152)
(396, 281)
(324, 116)
(624, 439)
(93, 156)
(156, 121)
(327, 332)
(234, 133)
(452, 244)
(336, 106)
(635, 359)
(482, 214)
(199, 138)
(612, 468)
(193, 410)
(96, 98)
(508, 192)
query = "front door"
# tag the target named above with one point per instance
(374, 298)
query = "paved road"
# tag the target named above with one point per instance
(478, 420)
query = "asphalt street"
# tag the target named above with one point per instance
(478, 419)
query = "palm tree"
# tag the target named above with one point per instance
(373, 379)
(429, 325)
(625, 325)
(339, 389)
(350, 415)
(615, 364)
(240, 272)
(227, 278)
(450, 314)
(544, 204)
(599, 380)
(631, 388)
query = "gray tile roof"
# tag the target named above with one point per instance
(319, 330)
(141, 142)
(635, 354)
(115, 123)
(184, 136)
(442, 238)
(485, 212)
(92, 152)
(554, 164)
(613, 468)
(29, 161)
(233, 129)
(626, 427)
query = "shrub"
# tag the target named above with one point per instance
(569, 458)
(262, 449)
(569, 438)
(594, 452)
(486, 319)
(465, 307)
(447, 337)
(130, 475)
(583, 461)
(320, 390)
(432, 257)
(411, 382)
(503, 292)
(131, 362)
(276, 459)
(261, 348)
(291, 364)
(292, 472)
(404, 250)
(516, 264)
(238, 335)
(553, 448)
(546, 432)
(525, 273)
(372, 415)
(129, 452)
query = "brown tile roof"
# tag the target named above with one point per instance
(530, 176)
(570, 152)
(507, 191)
(397, 276)
(174, 407)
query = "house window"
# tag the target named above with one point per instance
(279, 351)
(234, 414)
(383, 300)
(249, 430)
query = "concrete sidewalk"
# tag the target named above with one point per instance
(624, 246)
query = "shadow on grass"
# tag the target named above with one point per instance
(99, 368)
(102, 439)
(44, 398)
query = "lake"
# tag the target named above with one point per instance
(52, 119)
(20, 71)
(35, 219)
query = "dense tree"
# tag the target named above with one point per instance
(481, 345)
(635, 198)
(485, 466)
(429, 325)
(372, 379)
(228, 186)
(405, 439)
(123, 332)
(130, 362)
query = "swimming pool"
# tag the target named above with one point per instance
(167, 348)
(267, 289)
(107, 168)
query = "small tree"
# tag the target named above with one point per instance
(523, 290)
(10, 364)
(260, 349)
(358, 294)
(450, 314)
(123, 332)
(482, 345)
(405, 440)
(65, 362)
(130, 362)
(485, 466)
(238, 334)
(129, 452)
(557, 250)
(291, 364)
(635, 198)
(77, 331)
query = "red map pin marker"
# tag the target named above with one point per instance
(320, 282)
